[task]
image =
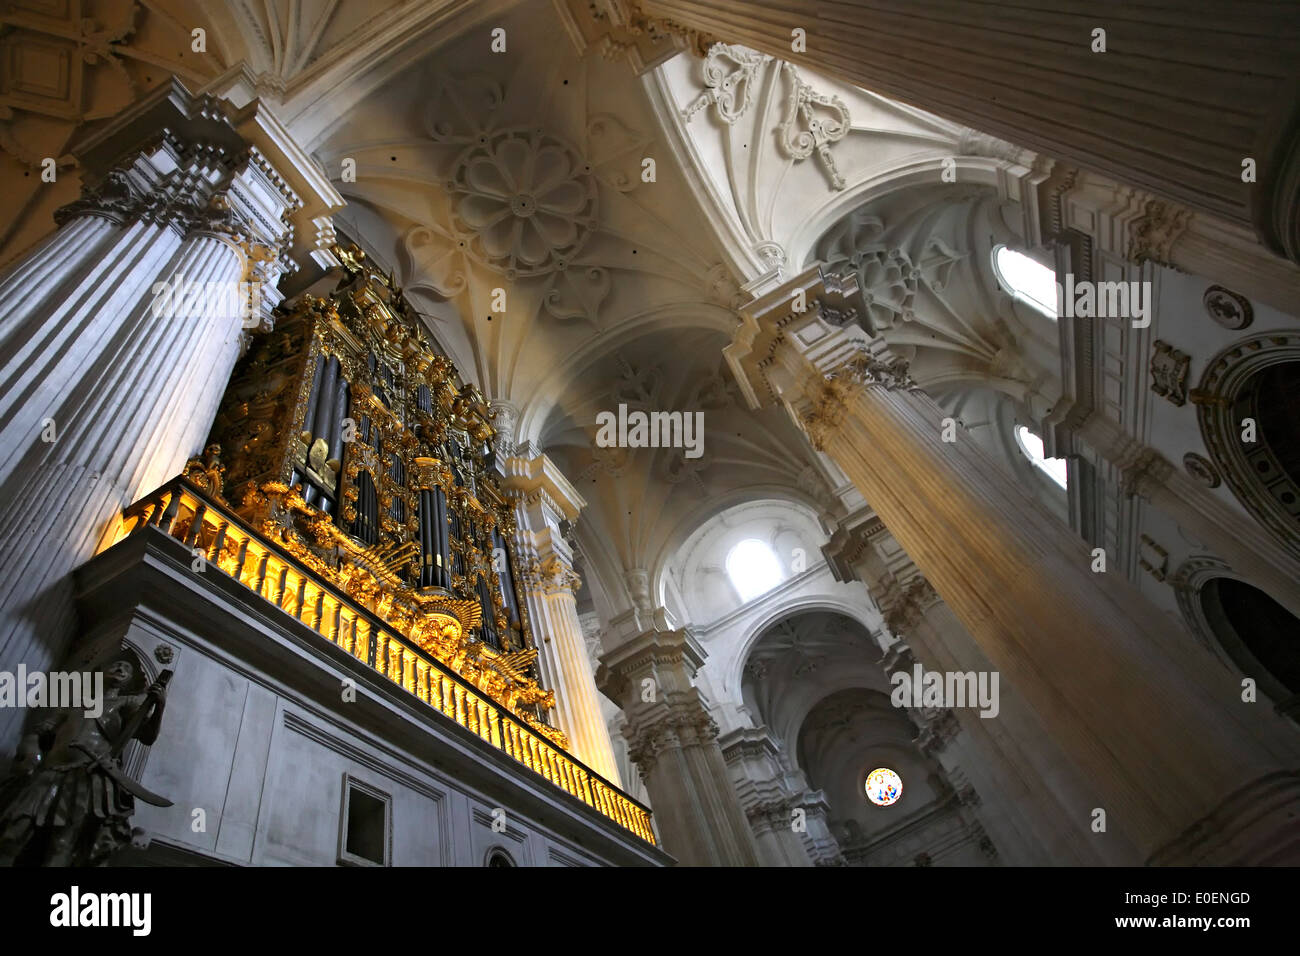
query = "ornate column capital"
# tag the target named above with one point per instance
(826, 409)
(938, 726)
(621, 29)
(680, 721)
(196, 164)
(550, 575)
(1153, 234)
(909, 603)
(804, 345)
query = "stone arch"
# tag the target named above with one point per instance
(1197, 585)
(1264, 478)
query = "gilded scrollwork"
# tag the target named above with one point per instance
(341, 429)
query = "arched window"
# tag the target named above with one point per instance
(1027, 279)
(1032, 446)
(753, 569)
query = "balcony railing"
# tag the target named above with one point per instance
(205, 527)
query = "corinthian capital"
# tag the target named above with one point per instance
(549, 576)
(828, 406)
(198, 165)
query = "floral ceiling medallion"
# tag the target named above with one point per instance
(523, 202)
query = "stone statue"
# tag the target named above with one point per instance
(67, 801)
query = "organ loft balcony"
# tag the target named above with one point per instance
(341, 565)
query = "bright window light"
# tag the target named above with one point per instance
(1027, 279)
(1032, 446)
(753, 568)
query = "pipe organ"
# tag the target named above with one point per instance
(351, 441)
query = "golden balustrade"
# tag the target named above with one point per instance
(183, 512)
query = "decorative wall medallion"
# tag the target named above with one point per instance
(164, 653)
(884, 787)
(524, 203)
(1230, 310)
(812, 122)
(729, 73)
(1201, 470)
(1169, 372)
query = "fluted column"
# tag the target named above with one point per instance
(543, 499)
(1032, 75)
(1149, 718)
(108, 380)
(674, 743)
(1023, 789)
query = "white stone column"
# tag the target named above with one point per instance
(1157, 728)
(543, 499)
(1023, 789)
(107, 384)
(674, 742)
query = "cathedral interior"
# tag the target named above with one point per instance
(649, 433)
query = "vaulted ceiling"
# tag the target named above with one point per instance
(578, 228)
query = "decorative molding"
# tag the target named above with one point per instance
(1152, 558)
(1227, 308)
(1253, 471)
(524, 202)
(830, 406)
(1169, 372)
(1201, 470)
(679, 722)
(1153, 234)
(909, 604)
(730, 73)
(813, 122)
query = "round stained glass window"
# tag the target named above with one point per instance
(884, 787)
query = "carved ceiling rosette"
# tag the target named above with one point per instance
(524, 204)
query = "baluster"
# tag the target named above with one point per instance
(261, 572)
(282, 586)
(458, 693)
(217, 543)
(168, 517)
(196, 526)
(301, 597)
(241, 560)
